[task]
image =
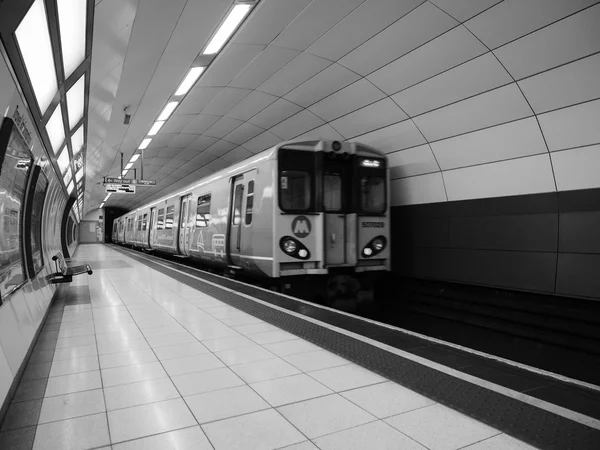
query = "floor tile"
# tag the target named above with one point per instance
(346, 377)
(79, 331)
(295, 388)
(117, 336)
(132, 374)
(145, 420)
(72, 405)
(77, 341)
(180, 351)
(77, 382)
(263, 430)
(240, 320)
(225, 403)
(325, 415)
(170, 339)
(267, 369)
(30, 390)
(269, 337)
(500, 442)
(192, 438)
(244, 355)
(293, 347)
(202, 332)
(318, 360)
(133, 357)
(36, 371)
(163, 331)
(120, 346)
(196, 363)
(73, 434)
(135, 394)
(210, 380)
(306, 445)
(70, 366)
(21, 414)
(452, 429)
(387, 399)
(227, 343)
(254, 328)
(21, 439)
(60, 354)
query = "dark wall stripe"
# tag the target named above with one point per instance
(63, 227)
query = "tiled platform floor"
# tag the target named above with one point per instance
(129, 358)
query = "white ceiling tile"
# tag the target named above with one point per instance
(559, 43)
(523, 176)
(187, 154)
(296, 125)
(219, 148)
(227, 99)
(471, 78)
(254, 103)
(262, 142)
(462, 10)
(201, 143)
(232, 59)
(330, 80)
(575, 126)
(161, 140)
(512, 19)
(274, 113)
(222, 127)
(511, 140)
(414, 161)
(312, 23)
(269, 61)
(442, 53)
(492, 108)
(217, 164)
(347, 100)
(417, 190)
(182, 140)
(395, 137)
(176, 123)
(564, 86)
(269, 19)
(197, 99)
(236, 155)
(378, 115)
(200, 123)
(200, 159)
(323, 132)
(243, 133)
(413, 30)
(363, 23)
(577, 168)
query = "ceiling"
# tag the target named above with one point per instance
(469, 98)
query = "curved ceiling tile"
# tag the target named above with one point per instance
(513, 19)
(414, 161)
(559, 43)
(351, 98)
(296, 125)
(219, 148)
(182, 140)
(296, 72)
(523, 176)
(269, 19)
(577, 168)
(330, 80)
(161, 140)
(395, 137)
(222, 127)
(255, 102)
(197, 99)
(567, 85)
(471, 78)
(225, 100)
(243, 133)
(312, 23)
(201, 143)
(413, 30)
(417, 190)
(325, 131)
(232, 59)
(508, 141)
(200, 123)
(176, 123)
(363, 23)
(217, 164)
(236, 155)
(269, 61)
(492, 108)
(202, 160)
(274, 113)
(447, 51)
(462, 10)
(262, 142)
(575, 126)
(377, 115)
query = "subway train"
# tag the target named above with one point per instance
(301, 211)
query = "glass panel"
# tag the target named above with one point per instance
(145, 222)
(139, 223)
(160, 220)
(237, 204)
(249, 202)
(372, 193)
(169, 217)
(295, 190)
(36, 222)
(203, 211)
(332, 192)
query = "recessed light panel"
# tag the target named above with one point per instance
(56, 129)
(144, 143)
(166, 113)
(134, 158)
(189, 80)
(72, 19)
(234, 18)
(75, 97)
(77, 140)
(157, 126)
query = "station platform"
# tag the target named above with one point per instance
(149, 354)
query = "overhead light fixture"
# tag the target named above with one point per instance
(134, 158)
(33, 39)
(75, 102)
(228, 27)
(125, 172)
(77, 140)
(70, 187)
(166, 113)
(102, 205)
(79, 175)
(144, 143)
(63, 160)
(189, 80)
(56, 129)
(129, 166)
(157, 126)
(107, 197)
(72, 19)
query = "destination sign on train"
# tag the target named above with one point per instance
(370, 163)
(130, 181)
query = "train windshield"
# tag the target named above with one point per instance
(372, 185)
(296, 180)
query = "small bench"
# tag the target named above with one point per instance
(65, 272)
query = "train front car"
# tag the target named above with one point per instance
(333, 220)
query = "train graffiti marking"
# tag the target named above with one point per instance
(301, 227)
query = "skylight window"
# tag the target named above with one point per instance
(56, 129)
(72, 19)
(68, 176)
(79, 175)
(228, 27)
(63, 160)
(70, 187)
(75, 103)
(77, 140)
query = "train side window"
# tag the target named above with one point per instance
(203, 211)
(139, 223)
(249, 202)
(169, 217)
(332, 192)
(160, 219)
(237, 204)
(295, 190)
(145, 222)
(372, 194)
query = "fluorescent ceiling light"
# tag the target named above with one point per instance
(164, 115)
(228, 27)
(79, 175)
(129, 166)
(77, 140)
(189, 80)
(68, 176)
(63, 160)
(56, 129)
(102, 205)
(70, 187)
(125, 172)
(34, 42)
(157, 126)
(72, 19)
(75, 102)
(134, 158)
(107, 197)
(144, 143)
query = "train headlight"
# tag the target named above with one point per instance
(375, 246)
(289, 246)
(294, 248)
(302, 253)
(378, 244)
(368, 251)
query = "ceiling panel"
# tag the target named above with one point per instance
(462, 10)
(417, 190)
(219, 148)
(414, 161)
(296, 125)
(349, 99)
(225, 100)
(378, 115)
(243, 133)
(269, 61)
(577, 168)
(176, 123)
(251, 105)
(232, 59)
(200, 123)
(413, 30)
(394, 137)
(161, 140)
(575, 126)
(201, 143)
(196, 100)
(323, 132)
(274, 113)
(261, 142)
(217, 164)
(222, 127)
(236, 155)
(442, 53)
(182, 140)
(202, 159)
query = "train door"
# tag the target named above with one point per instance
(238, 242)
(151, 227)
(183, 246)
(335, 201)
